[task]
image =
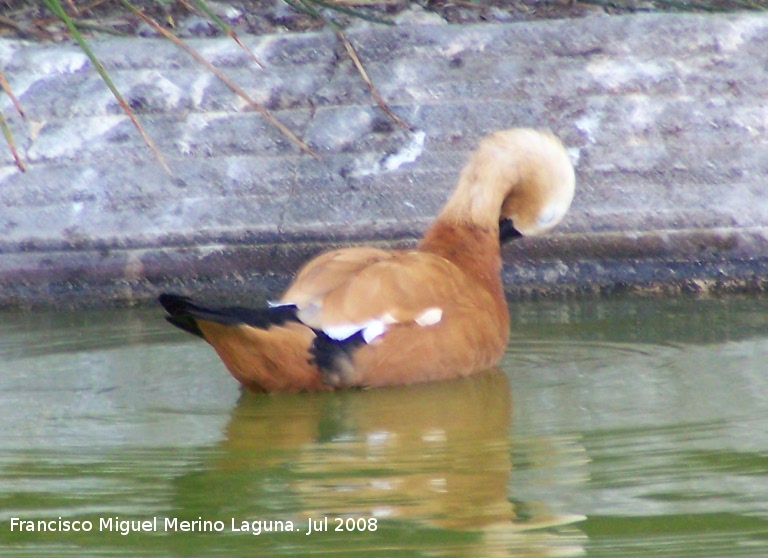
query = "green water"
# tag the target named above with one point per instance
(618, 428)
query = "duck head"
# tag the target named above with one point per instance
(520, 180)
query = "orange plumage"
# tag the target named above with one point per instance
(370, 317)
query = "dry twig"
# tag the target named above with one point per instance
(223, 26)
(219, 74)
(307, 5)
(7, 88)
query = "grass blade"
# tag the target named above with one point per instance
(232, 85)
(57, 9)
(7, 88)
(11, 144)
(4, 124)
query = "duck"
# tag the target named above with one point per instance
(365, 317)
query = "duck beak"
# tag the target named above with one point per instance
(507, 230)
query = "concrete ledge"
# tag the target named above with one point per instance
(665, 116)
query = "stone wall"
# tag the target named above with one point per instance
(665, 117)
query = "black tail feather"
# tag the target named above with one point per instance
(187, 324)
(183, 313)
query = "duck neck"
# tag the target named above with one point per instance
(467, 230)
(479, 196)
(473, 248)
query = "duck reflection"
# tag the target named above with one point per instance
(434, 451)
(433, 455)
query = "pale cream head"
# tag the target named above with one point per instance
(522, 174)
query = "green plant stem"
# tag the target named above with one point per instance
(58, 10)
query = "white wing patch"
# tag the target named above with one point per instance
(372, 329)
(376, 328)
(429, 317)
(344, 331)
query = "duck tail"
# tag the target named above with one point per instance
(183, 312)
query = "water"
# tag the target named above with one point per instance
(614, 428)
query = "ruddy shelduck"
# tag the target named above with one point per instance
(370, 317)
